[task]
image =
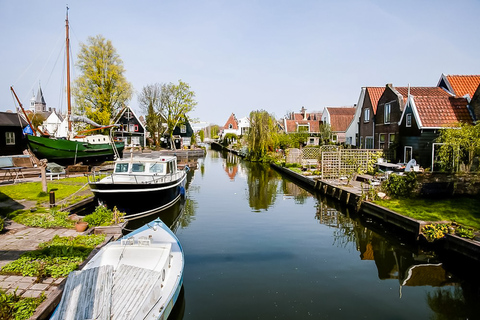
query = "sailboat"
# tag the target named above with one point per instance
(73, 148)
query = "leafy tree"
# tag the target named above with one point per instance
(201, 134)
(36, 119)
(149, 100)
(325, 133)
(102, 89)
(262, 134)
(176, 100)
(460, 145)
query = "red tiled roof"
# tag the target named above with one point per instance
(291, 125)
(233, 121)
(464, 84)
(441, 111)
(340, 118)
(375, 93)
(422, 91)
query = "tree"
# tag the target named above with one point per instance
(201, 134)
(102, 89)
(325, 133)
(175, 102)
(460, 146)
(262, 134)
(149, 100)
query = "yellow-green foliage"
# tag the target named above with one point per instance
(433, 232)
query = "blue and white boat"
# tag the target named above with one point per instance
(137, 277)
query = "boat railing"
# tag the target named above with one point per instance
(95, 177)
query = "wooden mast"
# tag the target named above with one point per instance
(69, 103)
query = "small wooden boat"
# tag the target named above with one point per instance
(137, 277)
(140, 186)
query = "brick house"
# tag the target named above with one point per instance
(304, 122)
(366, 111)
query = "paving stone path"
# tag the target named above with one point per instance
(17, 239)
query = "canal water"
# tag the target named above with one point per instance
(258, 246)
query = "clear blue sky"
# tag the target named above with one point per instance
(240, 56)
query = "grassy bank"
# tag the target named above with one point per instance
(462, 210)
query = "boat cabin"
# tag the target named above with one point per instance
(160, 166)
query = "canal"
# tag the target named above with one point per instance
(258, 246)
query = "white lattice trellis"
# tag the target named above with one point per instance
(344, 162)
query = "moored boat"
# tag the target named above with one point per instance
(137, 277)
(140, 186)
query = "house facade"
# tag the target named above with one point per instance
(421, 121)
(366, 111)
(339, 119)
(236, 126)
(130, 129)
(12, 140)
(304, 122)
(182, 134)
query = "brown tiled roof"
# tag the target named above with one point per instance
(375, 93)
(422, 91)
(340, 118)
(441, 111)
(291, 125)
(464, 84)
(10, 119)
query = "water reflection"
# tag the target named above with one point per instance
(262, 186)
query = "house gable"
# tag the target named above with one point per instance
(130, 129)
(460, 85)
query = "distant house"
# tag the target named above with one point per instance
(304, 122)
(365, 115)
(339, 119)
(12, 140)
(231, 126)
(130, 129)
(421, 120)
(475, 105)
(182, 134)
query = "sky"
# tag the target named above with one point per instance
(241, 56)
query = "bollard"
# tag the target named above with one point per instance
(52, 199)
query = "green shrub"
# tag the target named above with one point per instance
(401, 186)
(464, 232)
(44, 219)
(102, 216)
(2, 223)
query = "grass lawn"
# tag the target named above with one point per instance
(462, 210)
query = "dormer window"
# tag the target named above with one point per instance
(408, 120)
(230, 126)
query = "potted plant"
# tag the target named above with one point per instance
(81, 226)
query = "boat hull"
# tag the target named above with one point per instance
(69, 151)
(139, 200)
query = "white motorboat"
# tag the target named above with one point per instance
(137, 277)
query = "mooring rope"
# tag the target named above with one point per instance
(59, 203)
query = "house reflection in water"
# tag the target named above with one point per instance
(230, 165)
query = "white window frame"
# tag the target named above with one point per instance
(303, 126)
(387, 110)
(381, 144)
(10, 138)
(334, 137)
(405, 154)
(183, 128)
(369, 142)
(366, 115)
(390, 139)
(408, 120)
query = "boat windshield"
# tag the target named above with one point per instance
(121, 167)
(138, 167)
(157, 168)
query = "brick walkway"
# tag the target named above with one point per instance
(19, 239)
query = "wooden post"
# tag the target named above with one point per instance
(43, 171)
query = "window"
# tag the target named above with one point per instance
(121, 167)
(386, 115)
(366, 115)
(183, 128)
(334, 138)
(408, 120)
(311, 141)
(303, 128)
(138, 167)
(135, 127)
(368, 142)
(391, 139)
(157, 167)
(131, 128)
(381, 141)
(10, 138)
